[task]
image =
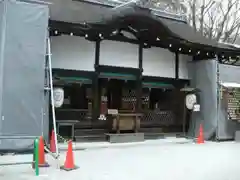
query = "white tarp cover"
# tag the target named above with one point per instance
(204, 78)
(23, 32)
(229, 78)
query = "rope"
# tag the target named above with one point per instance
(63, 139)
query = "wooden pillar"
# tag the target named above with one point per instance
(95, 85)
(139, 79)
(140, 57)
(176, 65)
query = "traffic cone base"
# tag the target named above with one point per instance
(44, 165)
(40, 165)
(42, 161)
(69, 169)
(200, 142)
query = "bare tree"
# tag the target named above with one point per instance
(215, 19)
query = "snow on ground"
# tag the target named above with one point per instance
(149, 161)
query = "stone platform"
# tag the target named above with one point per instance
(125, 137)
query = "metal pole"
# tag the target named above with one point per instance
(2, 49)
(36, 156)
(18, 137)
(37, 2)
(184, 119)
(52, 154)
(51, 91)
(125, 4)
(15, 164)
(218, 97)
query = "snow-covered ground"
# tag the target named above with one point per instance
(158, 160)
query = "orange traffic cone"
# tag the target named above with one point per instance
(69, 162)
(200, 138)
(42, 162)
(53, 143)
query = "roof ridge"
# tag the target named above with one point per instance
(158, 12)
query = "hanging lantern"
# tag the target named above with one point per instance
(190, 101)
(58, 96)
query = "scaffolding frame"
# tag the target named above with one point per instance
(49, 87)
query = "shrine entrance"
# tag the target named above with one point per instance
(162, 108)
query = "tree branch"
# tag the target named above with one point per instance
(224, 19)
(219, 20)
(193, 13)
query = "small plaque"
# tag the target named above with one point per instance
(113, 111)
(196, 108)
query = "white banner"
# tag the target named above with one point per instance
(191, 100)
(58, 96)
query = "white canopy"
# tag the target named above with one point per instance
(230, 84)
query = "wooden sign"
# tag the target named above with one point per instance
(113, 111)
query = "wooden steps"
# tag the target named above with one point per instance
(93, 135)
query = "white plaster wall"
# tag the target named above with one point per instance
(77, 53)
(158, 62)
(72, 52)
(118, 54)
(184, 61)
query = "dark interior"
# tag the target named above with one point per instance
(162, 107)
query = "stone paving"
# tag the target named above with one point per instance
(153, 160)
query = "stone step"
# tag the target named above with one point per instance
(127, 137)
(151, 130)
(86, 132)
(164, 129)
(90, 138)
(90, 125)
(161, 135)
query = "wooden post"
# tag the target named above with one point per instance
(176, 65)
(95, 84)
(139, 80)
